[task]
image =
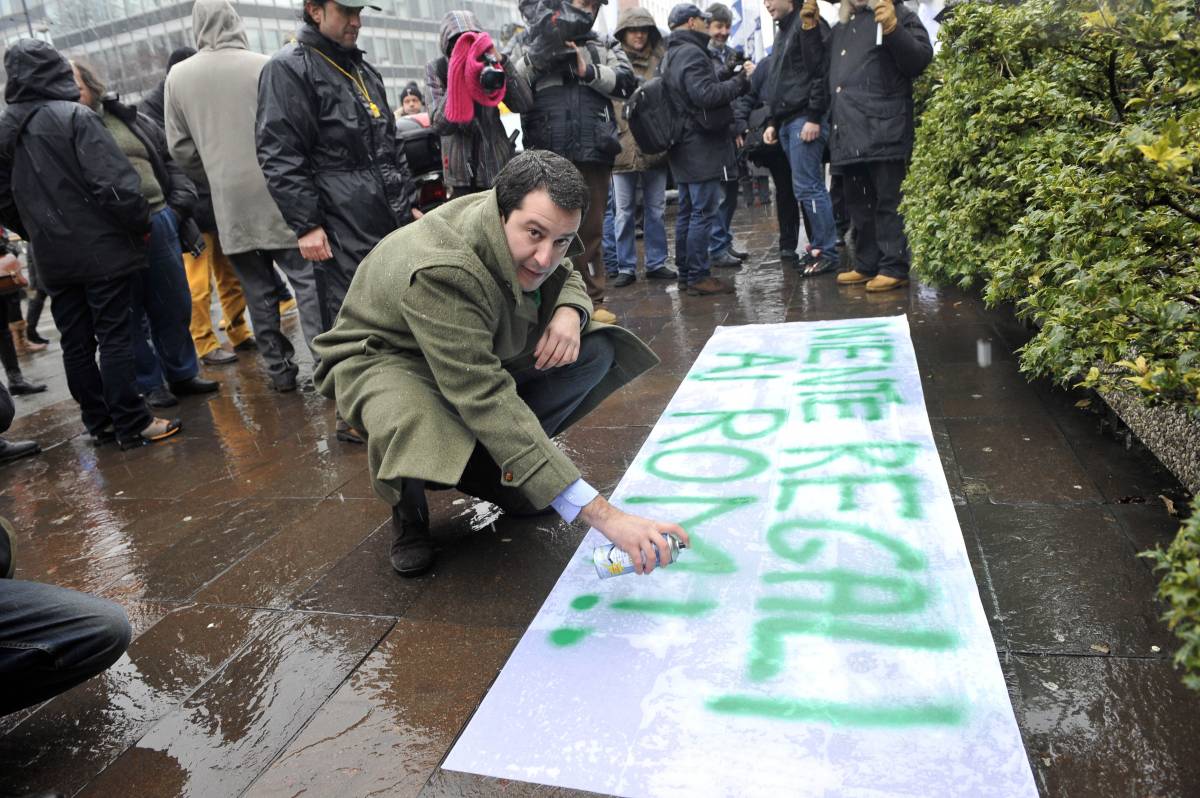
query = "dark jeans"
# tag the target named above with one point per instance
(552, 395)
(872, 193)
(260, 285)
(162, 311)
(52, 639)
(91, 316)
(787, 210)
(722, 237)
(699, 211)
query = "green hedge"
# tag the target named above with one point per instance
(1057, 166)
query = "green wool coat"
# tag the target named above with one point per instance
(421, 352)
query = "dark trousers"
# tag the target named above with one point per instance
(33, 314)
(52, 639)
(787, 210)
(699, 212)
(162, 311)
(11, 304)
(260, 285)
(590, 264)
(93, 316)
(872, 192)
(553, 395)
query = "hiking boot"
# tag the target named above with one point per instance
(882, 282)
(853, 277)
(604, 316)
(710, 286)
(284, 381)
(412, 546)
(623, 279)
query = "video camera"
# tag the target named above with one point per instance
(492, 77)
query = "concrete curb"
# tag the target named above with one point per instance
(1167, 430)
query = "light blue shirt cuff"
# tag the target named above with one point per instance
(573, 499)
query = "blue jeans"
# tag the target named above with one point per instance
(722, 238)
(52, 639)
(808, 182)
(699, 212)
(162, 311)
(654, 199)
(608, 238)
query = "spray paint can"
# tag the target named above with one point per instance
(610, 561)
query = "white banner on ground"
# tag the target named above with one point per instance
(822, 637)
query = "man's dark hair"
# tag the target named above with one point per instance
(720, 13)
(305, 16)
(535, 170)
(180, 54)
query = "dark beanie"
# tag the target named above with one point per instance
(412, 88)
(181, 54)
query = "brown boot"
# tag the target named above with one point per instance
(710, 286)
(884, 283)
(21, 340)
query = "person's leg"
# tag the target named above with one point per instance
(17, 384)
(199, 277)
(625, 201)
(412, 549)
(52, 639)
(706, 213)
(254, 269)
(148, 373)
(886, 178)
(73, 317)
(808, 183)
(608, 242)
(590, 264)
(302, 275)
(722, 234)
(8, 347)
(33, 316)
(169, 305)
(554, 394)
(787, 210)
(108, 305)
(859, 193)
(654, 200)
(229, 293)
(683, 221)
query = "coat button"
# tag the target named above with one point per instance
(508, 477)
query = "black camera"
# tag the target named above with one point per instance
(735, 60)
(492, 77)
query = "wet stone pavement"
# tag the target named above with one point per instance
(276, 654)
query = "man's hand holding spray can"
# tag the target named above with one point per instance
(638, 546)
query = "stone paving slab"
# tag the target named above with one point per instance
(276, 653)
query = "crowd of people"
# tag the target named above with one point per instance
(456, 347)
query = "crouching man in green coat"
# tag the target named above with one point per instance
(465, 342)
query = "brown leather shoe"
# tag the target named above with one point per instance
(853, 278)
(882, 282)
(710, 286)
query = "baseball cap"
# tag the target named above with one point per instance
(358, 4)
(681, 13)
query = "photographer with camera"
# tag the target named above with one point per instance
(475, 145)
(573, 74)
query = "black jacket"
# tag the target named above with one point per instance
(795, 83)
(152, 105)
(64, 184)
(871, 116)
(329, 160)
(705, 150)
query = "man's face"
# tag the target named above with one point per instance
(636, 38)
(590, 6)
(411, 104)
(539, 233)
(719, 31)
(697, 24)
(336, 22)
(778, 9)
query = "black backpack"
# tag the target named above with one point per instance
(655, 125)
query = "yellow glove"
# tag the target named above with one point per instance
(885, 15)
(809, 15)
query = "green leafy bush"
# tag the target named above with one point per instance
(1180, 590)
(1057, 166)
